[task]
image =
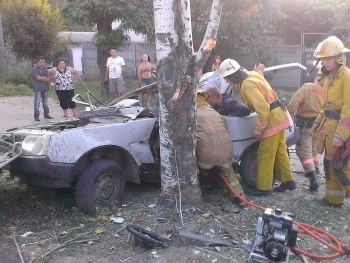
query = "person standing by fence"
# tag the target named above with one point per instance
(64, 77)
(144, 74)
(41, 87)
(115, 67)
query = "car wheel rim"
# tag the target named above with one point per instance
(105, 186)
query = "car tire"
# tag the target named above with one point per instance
(102, 183)
(248, 167)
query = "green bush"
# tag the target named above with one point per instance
(20, 74)
(7, 90)
(6, 64)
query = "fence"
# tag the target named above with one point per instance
(131, 53)
(289, 78)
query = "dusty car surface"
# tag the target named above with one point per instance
(109, 145)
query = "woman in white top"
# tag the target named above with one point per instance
(64, 77)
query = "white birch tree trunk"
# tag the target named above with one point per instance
(177, 95)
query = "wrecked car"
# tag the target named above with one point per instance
(109, 145)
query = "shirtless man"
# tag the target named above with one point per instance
(144, 71)
(144, 74)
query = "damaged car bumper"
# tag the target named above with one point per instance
(40, 171)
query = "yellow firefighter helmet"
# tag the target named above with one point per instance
(228, 67)
(330, 47)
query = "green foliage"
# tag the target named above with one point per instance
(7, 89)
(19, 74)
(116, 38)
(243, 24)
(31, 26)
(12, 72)
(257, 24)
(298, 17)
(131, 14)
(339, 20)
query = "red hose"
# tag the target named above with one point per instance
(315, 232)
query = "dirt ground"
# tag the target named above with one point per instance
(47, 226)
(18, 111)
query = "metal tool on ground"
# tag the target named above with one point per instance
(317, 233)
(146, 238)
(207, 240)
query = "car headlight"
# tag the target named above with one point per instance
(35, 144)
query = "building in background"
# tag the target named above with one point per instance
(82, 56)
(82, 53)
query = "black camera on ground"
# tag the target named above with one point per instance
(275, 235)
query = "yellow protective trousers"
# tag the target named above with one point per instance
(306, 151)
(273, 155)
(232, 178)
(337, 183)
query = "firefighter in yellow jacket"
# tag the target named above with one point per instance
(272, 121)
(336, 118)
(306, 104)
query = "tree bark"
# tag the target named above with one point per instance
(178, 73)
(101, 62)
(104, 26)
(177, 102)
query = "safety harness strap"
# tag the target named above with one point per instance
(332, 114)
(275, 104)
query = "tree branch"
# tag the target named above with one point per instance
(13, 237)
(209, 40)
(72, 240)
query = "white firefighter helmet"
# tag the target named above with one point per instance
(213, 79)
(330, 47)
(228, 67)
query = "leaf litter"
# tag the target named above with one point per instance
(62, 233)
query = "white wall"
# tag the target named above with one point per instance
(77, 53)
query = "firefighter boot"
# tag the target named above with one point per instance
(313, 181)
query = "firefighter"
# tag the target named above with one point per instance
(214, 146)
(305, 104)
(335, 119)
(272, 121)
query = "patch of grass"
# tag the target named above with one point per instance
(9, 89)
(95, 88)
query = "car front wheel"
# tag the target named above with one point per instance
(101, 184)
(248, 167)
